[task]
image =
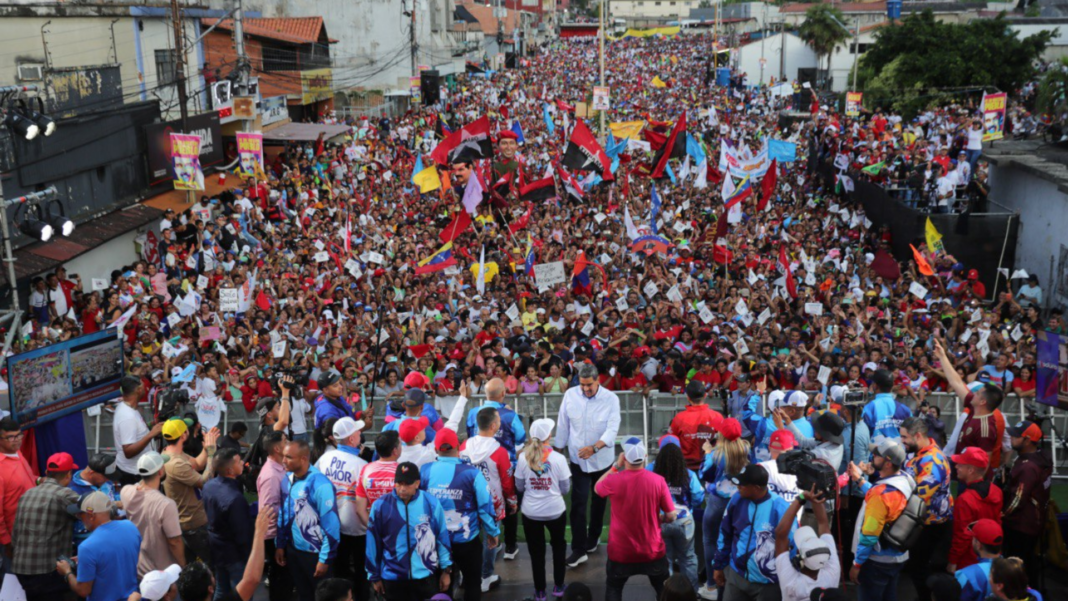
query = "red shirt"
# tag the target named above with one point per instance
(984, 432)
(638, 497)
(694, 426)
(17, 478)
(376, 480)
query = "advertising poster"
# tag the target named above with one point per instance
(185, 158)
(600, 98)
(853, 103)
(50, 382)
(994, 116)
(250, 149)
(1052, 376)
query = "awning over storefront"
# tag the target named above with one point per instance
(304, 132)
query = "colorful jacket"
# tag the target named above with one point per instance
(464, 495)
(433, 418)
(930, 469)
(975, 580)
(686, 498)
(884, 415)
(883, 503)
(747, 537)
(308, 518)
(491, 459)
(975, 502)
(407, 541)
(511, 434)
(714, 475)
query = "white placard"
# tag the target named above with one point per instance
(278, 349)
(374, 257)
(983, 348)
(824, 374)
(100, 284)
(747, 319)
(512, 312)
(588, 328)
(918, 290)
(685, 205)
(679, 226)
(752, 278)
(600, 217)
(810, 279)
(228, 300)
(764, 316)
(741, 308)
(202, 281)
(1017, 333)
(319, 245)
(621, 304)
(173, 320)
(674, 295)
(547, 275)
(650, 289)
(815, 309)
(322, 256)
(977, 315)
(966, 336)
(741, 347)
(706, 315)
(604, 259)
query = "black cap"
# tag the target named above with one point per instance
(829, 426)
(695, 389)
(414, 396)
(328, 378)
(102, 463)
(751, 475)
(264, 405)
(407, 473)
(583, 349)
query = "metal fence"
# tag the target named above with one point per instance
(645, 416)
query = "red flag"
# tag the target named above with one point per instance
(784, 265)
(585, 154)
(767, 185)
(473, 138)
(420, 350)
(656, 141)
(674, 147)
(885, 266)
(921, 262)
(721, 226)
(522, 222)
(457, 226)
(563, 106)
(721, 254)
(263, 301)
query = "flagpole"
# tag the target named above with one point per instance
(602, 63)
(378, 345)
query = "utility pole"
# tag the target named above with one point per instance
(412, 43)
(856, 51)
(601, 40)
(243, 67)
(179, 64)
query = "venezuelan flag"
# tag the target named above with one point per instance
(742, 192)
(441, 259)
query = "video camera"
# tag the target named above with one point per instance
(854, 396)
(169, 402)
(810, 471)
(299, 381)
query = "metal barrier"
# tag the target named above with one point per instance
(648, 416)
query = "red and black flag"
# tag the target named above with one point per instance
(542, 189)
(584, 153)
(674, 148)
(571, 185)
(471, 141)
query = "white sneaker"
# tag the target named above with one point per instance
(710, 594)
(487, 583)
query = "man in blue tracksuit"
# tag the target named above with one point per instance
(408, 542)
(511, 435)
(792, 402)
(742, 400)
(465, 498)
(745, 556)
(986, 542)
(883, 414)
(308, 526)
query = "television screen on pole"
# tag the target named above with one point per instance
(62, 378)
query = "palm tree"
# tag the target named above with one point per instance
(1053, 89)
(823, 30)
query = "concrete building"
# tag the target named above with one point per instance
(784, 56)
(641, 12)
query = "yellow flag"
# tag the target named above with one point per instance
(427, 180)
(674, 60)
(627, 129)
(658, 83)
(934, 239)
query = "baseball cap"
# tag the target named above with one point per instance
(972, 456)
(414, 396)
(889, 449)
(794, 398)
(668, 439)
(634, 450)
(94, 502)
(1026, 429)
(102, 463)
(775, 398)
(447, 437)
(415, 380)
(751, 475)
(870, 365)
(411, 427)
(695, 389)
(973, 274)
(407, 473)
(327, 379)
(730, 429)
(542, 429)
(346, 426)
(986, 531)
(811, 549)
(782, 440)
(61, 462)
(174, 428)
(150, 463)
(156, 583)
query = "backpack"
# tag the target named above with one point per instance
(903, 533)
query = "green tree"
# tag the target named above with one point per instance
(1053, 89)
(823, 31)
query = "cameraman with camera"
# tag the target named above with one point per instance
(816, 564)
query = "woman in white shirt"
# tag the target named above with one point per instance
(543, 476)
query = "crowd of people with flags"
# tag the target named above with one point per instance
(510, 240)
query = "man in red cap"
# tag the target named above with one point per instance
(784, 485)
(978, 498)
(978, 288)
(986, 539)
(43, 530)
(413, 435)
(1027, 495)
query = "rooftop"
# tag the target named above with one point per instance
(1041, 159)
(846, 7)
(295, 30)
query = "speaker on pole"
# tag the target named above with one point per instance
(430, 87)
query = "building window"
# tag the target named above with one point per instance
(657, 3)
(672, 4)
(165, 67)
(279, 59)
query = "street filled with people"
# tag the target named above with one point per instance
(377, 303)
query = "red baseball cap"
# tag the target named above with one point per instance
(782, 440)
(973, 274)
(415, 380)
(972, 456)
(444, 437)
(410, 428)
(61, 462)
(986, 531)
(730, 429)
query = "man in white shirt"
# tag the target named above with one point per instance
(1030, 293)
(342, 467)
(784, 485)
(132, 436)
(817, 561)
(587, 425)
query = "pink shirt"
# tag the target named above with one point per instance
(640, 495)
(269, 489)
(15, 479)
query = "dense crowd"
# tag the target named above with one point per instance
(331, 282)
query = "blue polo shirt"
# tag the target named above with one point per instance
(108, 559)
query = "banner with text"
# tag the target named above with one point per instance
(853, 100)
(994, 116)
(185, 159)
(250, 148)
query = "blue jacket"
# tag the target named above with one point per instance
(714, 475)
(308, 518)
(325, 410)
(747, 537)
(883, 415)
(511, 433)
(761, 428)
(433, 419)
(407, 541)
(975, 581)
(229, 520)
(686, 498)
(738, 405)
(80, 486)
(464, 495)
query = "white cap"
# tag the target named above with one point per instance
(156, 583)
(345, 427)
(150, 463)
(775, 398)
(837, 392)
(811, 550)
(795, 398)
(870, 365)
(634, 450)
(542, 429)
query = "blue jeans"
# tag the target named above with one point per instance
(878, 581)
(973, 159)
(678, 538)
(227, 577)
(489, 557)
(715, 505)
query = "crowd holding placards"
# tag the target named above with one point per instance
(406, 263)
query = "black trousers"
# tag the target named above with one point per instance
(417, 590)
(848, 511)
(126, 478)
(467, 560)
(619, 573)
(583, 535)
(1018, 544)
(929, 555)
(511, 525)
(197, 545)
(280, 581)
(302, 567)
(535, 531)
(45, 587)
(351, 564)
